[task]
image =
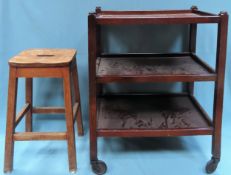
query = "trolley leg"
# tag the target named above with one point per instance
(192, 49)
(98, 166)
(219, 91)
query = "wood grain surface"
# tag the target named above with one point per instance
(43, 57)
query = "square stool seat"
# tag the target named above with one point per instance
(43, 58)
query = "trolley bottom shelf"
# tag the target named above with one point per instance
(151, 116)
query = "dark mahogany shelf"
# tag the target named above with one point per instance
(151, 115)
(156, 17)
(153, 67)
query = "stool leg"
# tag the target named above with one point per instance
(69, 120)
(79, 121)
(10, 124)
(29, 99)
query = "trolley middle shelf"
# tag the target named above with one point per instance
(184, 67)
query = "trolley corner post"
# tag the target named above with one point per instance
(219, 92)
(98, 167)
(192, 47)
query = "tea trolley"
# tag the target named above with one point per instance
(154, 115)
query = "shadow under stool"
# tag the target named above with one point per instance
(46, 63)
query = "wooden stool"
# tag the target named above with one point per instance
(55, 63)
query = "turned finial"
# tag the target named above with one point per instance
(98, 9)
(223, 13)
(194, 8)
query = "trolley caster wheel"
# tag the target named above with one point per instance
(212, 165)
(98, 167)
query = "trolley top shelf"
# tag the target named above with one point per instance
(155, 17)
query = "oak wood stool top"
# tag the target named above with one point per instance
(47, 63)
